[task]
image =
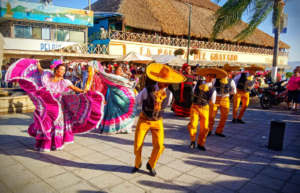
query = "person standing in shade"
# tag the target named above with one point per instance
(204, 93)
(154, 99)
(224, 88)
(244, 83)
(3, 72)
(194, 72)
(9, 84)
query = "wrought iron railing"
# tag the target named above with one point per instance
(84, 49)
(152, 39)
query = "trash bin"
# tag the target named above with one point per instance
(276, 136)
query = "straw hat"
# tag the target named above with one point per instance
(216, 71)
(227, 67)
(254, 67)
(161, 73)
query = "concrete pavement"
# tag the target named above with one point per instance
(102, 163)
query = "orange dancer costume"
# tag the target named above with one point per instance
(244, 83)
(224, 88)
(204, 93)
(154, 100)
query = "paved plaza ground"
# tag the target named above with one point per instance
(102, 163)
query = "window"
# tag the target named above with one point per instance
(32, 32)
(70, 36)
(77, 36)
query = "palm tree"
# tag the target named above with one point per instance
(230, 14)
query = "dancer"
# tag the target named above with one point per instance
(204, 93)
(224, 88)
(183, 93)
(154, 100)
(57, 117)
(244, 83)
(120, 108)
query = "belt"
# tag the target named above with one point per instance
(223, 97)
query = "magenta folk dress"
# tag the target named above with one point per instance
(57, 116)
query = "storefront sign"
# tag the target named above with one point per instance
(33, 45)
(118, 47)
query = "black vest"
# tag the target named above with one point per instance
(221, 88)
(148, 104)
(244, 84)
(200, 97)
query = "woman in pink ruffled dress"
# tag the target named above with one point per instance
(58, 116)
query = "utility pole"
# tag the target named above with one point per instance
(189, 37)
(90, 5)
(276, 48)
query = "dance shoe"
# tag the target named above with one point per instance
(220, 134)
(152, 171)
(134, 170)
(240, 121)
(192, 145)
(234, 120)
(201, 147)
(209, 133)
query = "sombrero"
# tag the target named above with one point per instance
(254, 67)
(227, 67)
(216, 71)
(161, 73)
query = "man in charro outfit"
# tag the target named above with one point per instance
(204, 93)
(154, 99)
(224, 88)
(183, 93)
(244, 83)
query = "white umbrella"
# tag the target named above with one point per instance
(134, 57)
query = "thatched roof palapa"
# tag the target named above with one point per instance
(171, 17)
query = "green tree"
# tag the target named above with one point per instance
(288, 74)
(230, 14)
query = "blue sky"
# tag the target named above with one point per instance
(292, 8)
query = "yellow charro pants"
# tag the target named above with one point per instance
(157, 130)
(223, 104)
(238, 97)
(203, 113)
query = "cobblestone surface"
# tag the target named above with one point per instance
(101, 163)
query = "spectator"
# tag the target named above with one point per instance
(195, 71)
(293, 87)
(71, 75)
(3, 71)
(133, 72)
(10, 84)
(85, 75)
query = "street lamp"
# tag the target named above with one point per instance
(189, 36)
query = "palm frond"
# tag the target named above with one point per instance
(229, 15)
(277, 13)
(260, 12)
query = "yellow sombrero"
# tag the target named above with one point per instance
(161, 73)
(254, 67)
(216, 71)
(227, 67)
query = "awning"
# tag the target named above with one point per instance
(241, 64)
(170, 59)
(134, 57)
(103, 15)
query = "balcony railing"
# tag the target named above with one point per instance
(84, 49)
(152, 39)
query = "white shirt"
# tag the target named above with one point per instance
(143, 95)
(237, 78)
(232, 90)
(213, 97)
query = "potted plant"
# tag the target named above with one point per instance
(179, 51)
(194, 50)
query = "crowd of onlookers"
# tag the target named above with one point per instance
(3, 72)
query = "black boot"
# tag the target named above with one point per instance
(201, 147)
(234, 120)
(240, 121)
(220, 134)
(192, 145)
(152, 171)
(134, 170)
(209, 133)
